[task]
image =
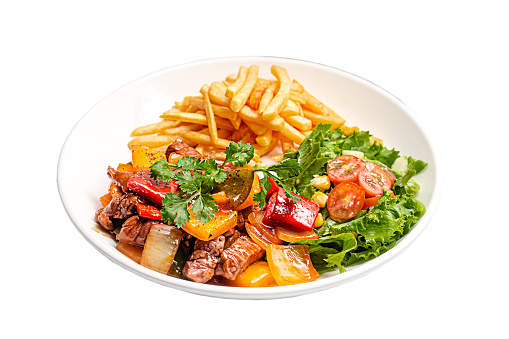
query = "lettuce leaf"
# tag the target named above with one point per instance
(379, 228)
(327, 253)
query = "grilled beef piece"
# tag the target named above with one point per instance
(182, 149)
(119, 178)
(202, 262)
(119, 208)
(135, 230)
(236, 258)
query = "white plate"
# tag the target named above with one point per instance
(100, 139)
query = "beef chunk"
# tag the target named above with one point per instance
(119, 178)
(202, 262)
(135, 230)
(119, 208)
(236, 258)
(182, 149)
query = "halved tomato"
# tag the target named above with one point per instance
(345, 201)
(373, 179)
(344, 168)
(391, 175)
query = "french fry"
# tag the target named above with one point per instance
(231, 78)
(221, 133)
(220, 111)
(203, 139)
(327, 119)
(238, 134)
(236, 123)
(315, 105)
(349, 131)
(152, 140)
(243, 94)
(255, 128)
(248, 114)
(297, 87)
(298, 97)
(265, 139)
(292, 133)
(278, 157)
(262, 150)
(249, 138)
(237, 85)
(291, 108)
(373, 140)
(154, 128)
(211, 118)
(197, 119)
(213, 152)
(265, 100)
(217, 95)
(181, 129)
(280, 99)
(299, 122)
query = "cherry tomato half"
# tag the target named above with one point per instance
(391, 175)
(345, 201)
(373, 179)
(344, 168)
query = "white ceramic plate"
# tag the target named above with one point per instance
(100, 139)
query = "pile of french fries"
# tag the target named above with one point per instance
(243, 107)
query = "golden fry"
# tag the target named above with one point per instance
(349, 131)
(197, 119)
(262, 150)
(220, 111)
(152, 140)
(326, 119)
(265, 100)
(217, 95)
(212, 152)
(298, 97)
(297, 87)
(243, 94)
(292, 133)
(299, 122)
(154, 128)
(237, 85)
(373, 140)
(283, 94)
(204, 139)
(255, 128)
(265, 139)
(290, 109)
(181, 129)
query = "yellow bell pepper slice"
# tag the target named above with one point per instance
(257, 274)
(144, 157)
(222, 222)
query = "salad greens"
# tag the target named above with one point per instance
(373, 231)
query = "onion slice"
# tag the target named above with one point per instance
(160, 247)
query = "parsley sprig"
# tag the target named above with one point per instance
(196, 177)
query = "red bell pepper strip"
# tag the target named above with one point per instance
(283, 211)
(149, 188)
(148, 211)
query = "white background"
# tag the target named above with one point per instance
(447, 60)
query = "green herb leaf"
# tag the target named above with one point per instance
(239, 154)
